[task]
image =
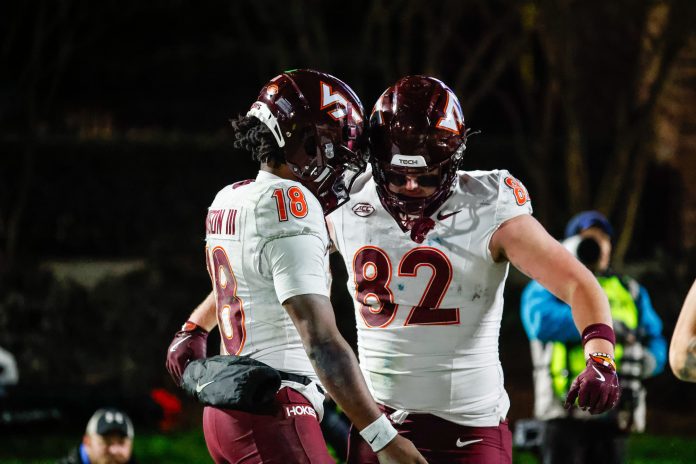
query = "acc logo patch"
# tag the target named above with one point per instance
(520, 192)
(363, 209)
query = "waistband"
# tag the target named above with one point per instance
(302, 379)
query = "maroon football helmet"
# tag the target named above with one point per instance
(317, 121)
(416, 128)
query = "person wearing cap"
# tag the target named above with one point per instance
(108, 439)
(557, 356)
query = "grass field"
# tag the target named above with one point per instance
(189, 447)
(644, 449)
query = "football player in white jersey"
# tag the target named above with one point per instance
(267, 253)
(427, 248)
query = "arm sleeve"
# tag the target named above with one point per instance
(299, 265)
(545, 317)
(651, 324)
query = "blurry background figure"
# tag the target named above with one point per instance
(170, 406)
(8, 371)
(108, 439)
(682, 349)
(557, 356)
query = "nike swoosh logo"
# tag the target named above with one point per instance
(461, 444)
(200, 387)
(441, 217)
(601, 377)
(173, 348)
(373, 439)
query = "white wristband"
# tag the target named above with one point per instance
(379, 433)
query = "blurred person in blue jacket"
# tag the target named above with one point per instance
(557, 355)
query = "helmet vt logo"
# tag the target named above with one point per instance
(452, 120)
(329, 97)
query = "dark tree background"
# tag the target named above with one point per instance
(113, 141)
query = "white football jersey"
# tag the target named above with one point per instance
(428, 315)
(266, 241)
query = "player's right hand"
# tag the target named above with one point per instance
(189, 344)
(400, 451)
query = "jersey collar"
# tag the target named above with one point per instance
(265, 175)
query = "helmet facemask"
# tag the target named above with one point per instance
(332, 183)
(334, 164)
(409, 211)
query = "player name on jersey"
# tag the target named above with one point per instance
(221, 221)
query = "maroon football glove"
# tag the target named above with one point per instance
(597, 387)
(189, 343)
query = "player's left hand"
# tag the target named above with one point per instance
(597, 387)
(189, 344)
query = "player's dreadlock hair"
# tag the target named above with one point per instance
(255, 137)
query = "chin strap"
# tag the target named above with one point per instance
(420, 228)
